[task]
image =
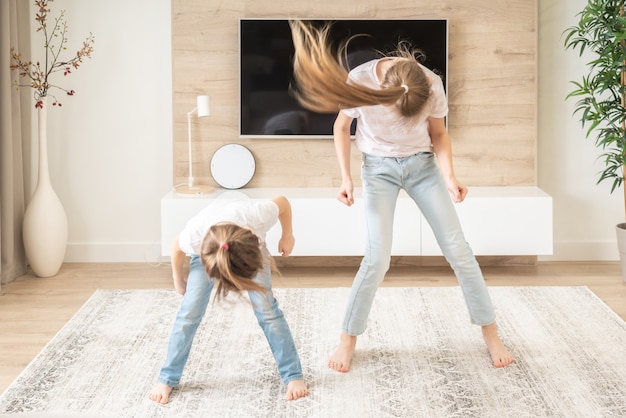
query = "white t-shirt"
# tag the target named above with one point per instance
(259, 215)
(378, 132)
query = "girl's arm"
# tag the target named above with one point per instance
(287, 241)
(443, 149)
(178, 260)
(341, 135)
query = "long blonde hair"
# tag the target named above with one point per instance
(232, 256)
(321, 80)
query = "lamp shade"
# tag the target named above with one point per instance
(203, 106)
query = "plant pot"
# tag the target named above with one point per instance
(621, 246)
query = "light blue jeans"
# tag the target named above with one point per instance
(193, 308)
(419, 176)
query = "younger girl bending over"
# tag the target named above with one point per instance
(226, 244)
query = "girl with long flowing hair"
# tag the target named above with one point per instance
(400, 106)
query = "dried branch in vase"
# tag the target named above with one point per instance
(55, 40)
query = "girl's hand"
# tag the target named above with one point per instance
(286, 244)
(457, 190)
(180, 285)
(345, 194)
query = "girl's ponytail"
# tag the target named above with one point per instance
(232, 256)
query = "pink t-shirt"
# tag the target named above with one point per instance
(378, 132)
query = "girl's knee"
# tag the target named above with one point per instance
(190, 316)
(376, 266)
(267, 312)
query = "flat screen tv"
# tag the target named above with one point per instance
(267, 108)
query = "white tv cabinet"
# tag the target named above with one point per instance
(497, 221)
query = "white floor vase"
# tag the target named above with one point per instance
(45, 222)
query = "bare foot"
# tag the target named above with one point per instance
(160, 393)
(341, 358)
(296, 389)
(500, 356)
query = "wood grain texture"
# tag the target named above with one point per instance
(492, 82)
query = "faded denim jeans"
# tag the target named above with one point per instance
(419, 176)
(193, 308)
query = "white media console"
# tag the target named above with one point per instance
(497, 221)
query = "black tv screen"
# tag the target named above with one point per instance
(268, 110)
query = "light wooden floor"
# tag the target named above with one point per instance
(32, 310)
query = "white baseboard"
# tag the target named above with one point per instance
(582, 251)
(113, 252)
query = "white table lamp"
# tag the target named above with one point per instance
(203, 110)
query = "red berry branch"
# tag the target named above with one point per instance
(55, 41)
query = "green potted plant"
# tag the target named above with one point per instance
(601, 93)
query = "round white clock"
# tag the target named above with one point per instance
(232, 166)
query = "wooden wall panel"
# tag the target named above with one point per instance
(491, 88)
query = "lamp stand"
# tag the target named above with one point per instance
(197, 189)
(191, 188)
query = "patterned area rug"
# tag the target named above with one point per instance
(420, 357)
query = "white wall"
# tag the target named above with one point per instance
(111, 145)
(585, 214)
